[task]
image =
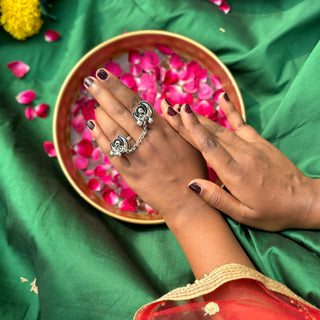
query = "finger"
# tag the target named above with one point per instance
(221, 199)
(235, 119)
(119, 113)
(212, 150)
(104, 143)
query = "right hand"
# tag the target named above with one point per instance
(267, 190)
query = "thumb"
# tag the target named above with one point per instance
(220, 199)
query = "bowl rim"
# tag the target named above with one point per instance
(75, 68)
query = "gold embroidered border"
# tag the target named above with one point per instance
(222, 275)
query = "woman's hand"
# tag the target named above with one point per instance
(160, 169)
(267, 190)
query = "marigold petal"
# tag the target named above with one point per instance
(26, 97)
(114, 68)
(49, 149)
(51, 35)
(30, 113)
(18, 68)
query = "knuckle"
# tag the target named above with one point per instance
(209, 144)
(214, 198)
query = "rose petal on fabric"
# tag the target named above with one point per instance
(215, 81)
(205, 91)
(217, 94)
(51, 35)
(135, 70)
(149, 209)
(127, 192)
(134, 56)
(164, 49)
(26, 97)
(171, 77)
(224, 7)
(94, 184)
(216, 2)
(149, 61)
(78, 123)
(88, 109)
(110, 196)
(42, 110)
(49, 149)
(84, 148)
(89, 172)
(30, 113)
(80, 162)
(100, 170)
(95, 156)
(176, 62)
(18, 68)
(147, 81)
(86, 134)
(129, 204)
(128, 80)
(107, 180)
(114, 68)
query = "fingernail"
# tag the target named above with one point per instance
(96, 105)
(171, 111)
(102, 74)
(226, 97)
(179, 107)
(88, 82)
(90, 125)
(168, 103)
(195, 187)
(187, 109)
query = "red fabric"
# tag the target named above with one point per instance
(238, 299)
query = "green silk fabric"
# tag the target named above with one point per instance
(90, 266)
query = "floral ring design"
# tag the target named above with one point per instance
(143, 113)
(119, 146)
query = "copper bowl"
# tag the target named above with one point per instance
(97, 57)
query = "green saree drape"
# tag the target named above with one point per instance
(90, 266)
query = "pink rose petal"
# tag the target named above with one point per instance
(147, 81)
(217, 94)
(30, 113)
(203, 75)
(94, 184)
(176, 62)
(100, 171)
(26, 97)
(78, 123)
(49, 149)
(128, 80)
(89, 172)
(135, 70)
(110, 196)
(51, 35)
(80, 162)
(173, 95)
(224, 7)
(192, 85)
(205, 91)
(157, 105)
(96, 154)
(171, 77)
(134, 56)
(189, 98)
(129, 204)
(216, 2)
(149, 61)
(106, 160)
(160, 73)
(86, 134)
(114, 68)
(18, 68)
(84, 148)
(88, 110)
(149, 209)
(164, 49)
(107, 180)
(76, 107)
(127, 192)
(42, 110)
(215, 81)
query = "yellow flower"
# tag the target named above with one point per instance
(21, 18)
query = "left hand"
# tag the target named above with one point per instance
(163, 164)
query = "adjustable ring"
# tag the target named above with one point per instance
(120, 146)
(143, 113)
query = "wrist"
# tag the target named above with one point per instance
(312, 220)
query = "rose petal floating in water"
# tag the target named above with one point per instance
(110, 196)
(26, 97)
(165, 50)
(80, 162)
(84, 148)
(96, 154)
(215, 81)
(94, 184)
(78, 123)
(114, 68)
(134, 56)
(100, 171)
(51, 35)
(49, 149)
(128, 80)
(149, 61)
(129, 204)
(18, 68)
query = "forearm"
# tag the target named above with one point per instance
(206, 239)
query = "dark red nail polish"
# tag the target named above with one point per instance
(90, 125)
(102, 74)
(168, 103)
(226, 97)
(88, 82)
(171, 111)
(96, 105)
(179, 107)
(195, 187)
(187, 109)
